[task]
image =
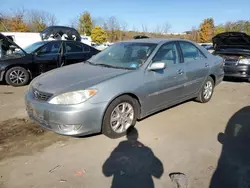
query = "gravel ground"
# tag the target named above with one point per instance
(201, 141)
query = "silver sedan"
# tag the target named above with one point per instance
(126, 82)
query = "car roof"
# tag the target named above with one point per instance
(156, 40)
(48, 41)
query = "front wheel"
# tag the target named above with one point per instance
(17, 76)
(207, 90)
(120, 115)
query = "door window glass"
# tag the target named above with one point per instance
(72, 47)
(190, 52)
(86, 48)
(168, 54)
(50, 48)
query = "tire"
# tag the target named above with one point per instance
(205, 97)
(17, 76)
(120, 129)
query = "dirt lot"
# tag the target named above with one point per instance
(189, 138)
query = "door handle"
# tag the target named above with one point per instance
(180, 72)
(206, 65)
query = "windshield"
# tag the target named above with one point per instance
(129, 55)
(31, 48)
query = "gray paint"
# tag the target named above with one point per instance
(154, 89)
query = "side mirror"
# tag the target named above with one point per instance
(157, 66)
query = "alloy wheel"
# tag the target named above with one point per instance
(122, 117)
(17, 77)
(208, 90)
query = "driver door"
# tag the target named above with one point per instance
(47, 57)
(168, 84)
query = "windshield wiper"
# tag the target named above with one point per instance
(115, 67)
(89, 62)
(109, 66)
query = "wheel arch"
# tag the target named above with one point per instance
(213, 77)
(18, 65)
(134, 96)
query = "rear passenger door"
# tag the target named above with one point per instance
(75, 52)
(196, 66)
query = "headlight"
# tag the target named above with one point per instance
(74, 97)
(244, 61)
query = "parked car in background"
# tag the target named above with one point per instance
(234, 47)
(18, 66)
(24, 39)
(140, 37)
(128, 81)
(60, 33)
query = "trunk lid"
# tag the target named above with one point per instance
(57, 32)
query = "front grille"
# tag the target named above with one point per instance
(230, 62)
(41, 96)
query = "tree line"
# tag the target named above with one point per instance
(112, 29)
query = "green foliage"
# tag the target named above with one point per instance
(85, 25)
(219, 29)
(98, 35)
(38, 26)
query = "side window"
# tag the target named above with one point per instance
(86, 48)
(74, 47)
(190, 52)
(168, 54)
(50, 48)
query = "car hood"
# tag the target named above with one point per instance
(74, 77)
(231, 40)
(7, 43)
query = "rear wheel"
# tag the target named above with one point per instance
(207, 90)
(17, 76)
(120, 115)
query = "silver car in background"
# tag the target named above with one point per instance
(126, 82)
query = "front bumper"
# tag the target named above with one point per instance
(52, 117)
(239, 71)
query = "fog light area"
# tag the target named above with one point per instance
(69, 128)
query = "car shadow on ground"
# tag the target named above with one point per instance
(233, 170)
(132, 164)
(236, 80)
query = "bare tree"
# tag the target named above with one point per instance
(73, 22)
(158, 29)
(194, 34)
(51, 19)
(98, 21)
(3, 26)
(124, 25)
(166, 27)
(114, 28)
(135, 28)
(19, 13)
(39, 20)
(144, 29)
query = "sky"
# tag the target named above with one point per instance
(182, 15)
